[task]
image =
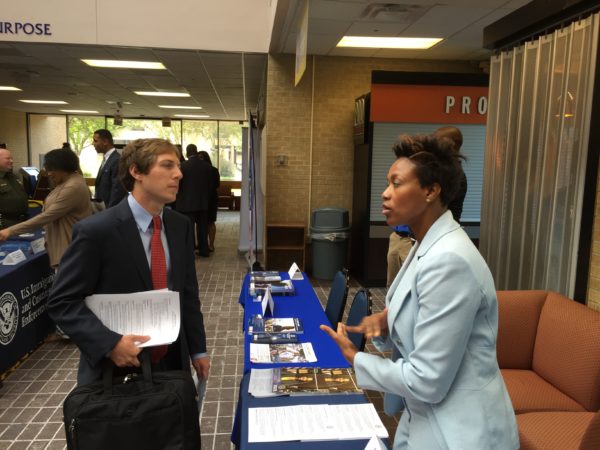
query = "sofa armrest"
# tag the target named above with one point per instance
(518, 317)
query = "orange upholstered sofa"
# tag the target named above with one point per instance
(549, 354)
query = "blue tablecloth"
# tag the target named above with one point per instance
(305, 305)
(24, 289)
(17, 243)
(247, 401)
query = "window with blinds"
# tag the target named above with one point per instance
(384, 136)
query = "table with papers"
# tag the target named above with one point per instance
(305, 305)
(247, 402)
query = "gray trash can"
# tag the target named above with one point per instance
(329, 234)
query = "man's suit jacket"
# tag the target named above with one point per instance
(108, 185)
(195, 188)
(107, 256)
(443, 323)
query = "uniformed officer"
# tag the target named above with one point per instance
(13, 198)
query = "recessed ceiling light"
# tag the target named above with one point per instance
(9, 88)
(45, 102)
(114, 102)
(82, 111)
(163, 94)
(388, 42)
(192, 116)
(179, 107)
(116, 64)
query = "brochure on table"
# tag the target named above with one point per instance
(302, 381)
(295, 273)
(314, 423)
(282, 353)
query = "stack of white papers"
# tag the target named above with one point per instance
(314, 423)
(150, 313)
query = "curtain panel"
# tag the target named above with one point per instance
(540, 102)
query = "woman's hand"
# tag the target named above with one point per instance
(372, 326)
(4, 234)
(341, 339)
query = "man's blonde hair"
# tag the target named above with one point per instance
(142, 154)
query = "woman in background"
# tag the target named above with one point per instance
(440, 320)
(66, 204)
(213, 201)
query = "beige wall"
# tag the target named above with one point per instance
(593, 295)
(338, 81)
(13, 132)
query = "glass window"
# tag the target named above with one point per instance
(203, 133)
(230, 150)
(81, 133)
(46, 132)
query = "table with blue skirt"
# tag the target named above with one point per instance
(303, 304)
(24, 289)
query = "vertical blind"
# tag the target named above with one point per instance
(536, 147)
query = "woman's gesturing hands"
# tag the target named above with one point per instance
(371, 326)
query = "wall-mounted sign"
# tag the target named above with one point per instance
(428, 103)
(25, 28)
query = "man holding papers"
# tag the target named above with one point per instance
(138, 245)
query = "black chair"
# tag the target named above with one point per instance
(336, 301)
(360, 308)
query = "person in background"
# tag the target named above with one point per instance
(456, 204)
(13, 198)
(400, 243)
(213, 201)
(137, 245)
(180, 150)
(67, 204)
(194, 193)
(108, 187)
(440, 320)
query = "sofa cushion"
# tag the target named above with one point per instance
(591, 438)
(553, 430)
(567, 349)
(531, 393)
(518, 315)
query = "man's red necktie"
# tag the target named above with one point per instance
(158, 264)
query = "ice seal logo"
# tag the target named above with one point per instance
(9, 317)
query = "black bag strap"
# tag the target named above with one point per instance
(108, 370)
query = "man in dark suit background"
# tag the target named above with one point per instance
(194, 194)
(114, 252)
(108, 187)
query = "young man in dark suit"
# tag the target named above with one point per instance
(122, 250)
(108, 187)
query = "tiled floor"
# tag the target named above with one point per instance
(32, 395)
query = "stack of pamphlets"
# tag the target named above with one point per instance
(265, 276)
(282, 353)
(281, 287)
(258, 325)
(302, 381)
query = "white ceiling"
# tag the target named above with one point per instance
(226, 85)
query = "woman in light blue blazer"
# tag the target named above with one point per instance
(440, 320)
